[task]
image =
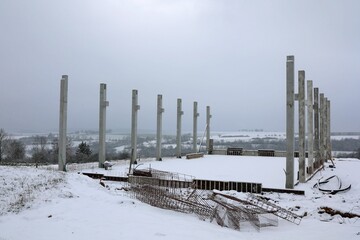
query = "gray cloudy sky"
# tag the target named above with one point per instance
(230, 55)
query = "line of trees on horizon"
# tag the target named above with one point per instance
(44, 149)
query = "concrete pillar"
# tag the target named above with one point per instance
(325, 142)
(316, 128)
(322, 129)
(134, 111)
(160, 111)
(63, 122)
(329, 148)
(301, 99)
(310, 126)
(290, 114)
(208, 117)
(102, 125)
(211, 146)
(178, 128)
(196, 115)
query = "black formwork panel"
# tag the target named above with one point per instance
(266, 153)
(216, 185)
(203, 184)
(259, 188)
(227, 186)
(243, 187)
(233, 186)
(208, 185)
(174, 183)
(239, 187)
(248, 187)
(234, 151)
(296, 154)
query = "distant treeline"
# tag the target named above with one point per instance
(44, 149)
(345, 134)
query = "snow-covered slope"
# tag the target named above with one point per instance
(77, 207)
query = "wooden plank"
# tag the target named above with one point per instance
(194, 155)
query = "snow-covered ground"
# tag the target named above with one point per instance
(247, 136)
(121, 148)
(46, 204)
(214, 167)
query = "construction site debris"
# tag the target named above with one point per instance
(322, 184)
(228, 211)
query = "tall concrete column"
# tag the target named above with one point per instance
(310, 126)
(290, 113)
(301, 99)
(329, 148)
(63, 122)
(208, 117)
(325, 142)
(196, 115)
(322, 129)
(160, 111)
(134, 112)
(178, 128)
(316, 128)
(102, 125)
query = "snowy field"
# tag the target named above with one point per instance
(212, 167)
(246, 136)
(46, 204)
(249, 136)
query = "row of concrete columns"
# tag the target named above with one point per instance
(318, 126)
(134, 116)
(134, 120)
(160, 111)
(63, 123)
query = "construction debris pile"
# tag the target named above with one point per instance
(177, 192)
(332, 185)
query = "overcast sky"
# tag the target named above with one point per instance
(230, 55)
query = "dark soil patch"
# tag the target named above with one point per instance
(333, 212)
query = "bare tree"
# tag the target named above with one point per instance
(3, 140)
(15, 150)
(40, 152)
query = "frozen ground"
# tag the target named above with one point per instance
(46, 204)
